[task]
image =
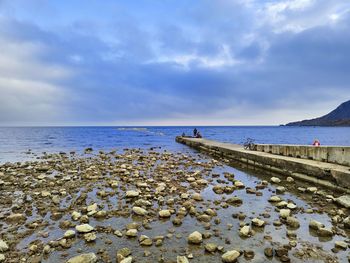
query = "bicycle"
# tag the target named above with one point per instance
(249, 144)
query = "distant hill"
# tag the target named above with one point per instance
(338, 117)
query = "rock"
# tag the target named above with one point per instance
(290, 179)
(291, 206)
(311, 189)
(324, 232)
(131, 233)
(280, 189)
(341, 245)
(89, 237)
(3, 246)
(197, 197)
(145, 241)
(124, 252)
(293, 222)
(268, 252)
(315, 225)
(244, 231)
(210, 247)
(164, 213)
(69, 234)
(275, 180)
(76, 215)
(230, 256)
(284, 213)
(258, 222)
(344, 200)
(2, 258)
(275, 198)
(131, 194)
(84, 258)
(181, 259)
(15, 218)
(127, 260)
(346, 222)
(139, 211)
(195, 238)
(84, 228)
(239, 184)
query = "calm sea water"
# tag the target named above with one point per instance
(14, 142)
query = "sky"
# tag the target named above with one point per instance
(172, 62)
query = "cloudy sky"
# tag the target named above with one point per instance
(172, 62)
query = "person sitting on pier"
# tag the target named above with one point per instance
(198, 135)
(316, 142)
(195, 132)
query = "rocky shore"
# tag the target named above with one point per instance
(158, 206)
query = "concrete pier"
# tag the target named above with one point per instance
(331, 175)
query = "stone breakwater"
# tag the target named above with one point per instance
(333, 176)
(157, 206)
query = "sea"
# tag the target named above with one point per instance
(25, 143)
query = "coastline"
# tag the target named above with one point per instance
(158, 204)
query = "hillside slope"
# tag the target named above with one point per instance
(338, 117)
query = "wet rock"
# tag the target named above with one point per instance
(291, 206)
(244, 231)
(197, 197)
(76, 215)
(15, 218)
(230, 256)
(69, 234)
(145, 241)
(346, 222)
(124, 252)
(131, 233)
(293, 222)
(324, 232)
(84, 228)
(118, 233)
(139, 211)
(275, 180)
(90, 237)
(311, 189)
(181, 259)
(280, 189)
(84, 258)
(290, 179)
(127, 260)
(132, 194)
(195, 238)
(258, 222)
(164, 213)
(268, 252)
(210, 247)
(344, 200)
(313, 224)
(234, 201)
(284, 213)
(249, 254)
(3, 246)
(341, 245)
(275, 198)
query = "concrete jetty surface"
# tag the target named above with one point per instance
(331, 175)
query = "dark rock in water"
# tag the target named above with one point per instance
(338, 117)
